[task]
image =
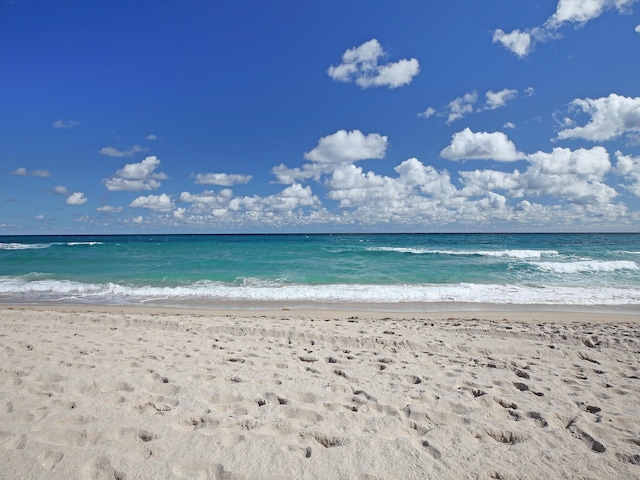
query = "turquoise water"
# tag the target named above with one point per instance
(219, 270)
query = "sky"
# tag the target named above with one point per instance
(247, 116)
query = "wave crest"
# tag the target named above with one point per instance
(509, 253)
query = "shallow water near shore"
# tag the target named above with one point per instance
(393, 270)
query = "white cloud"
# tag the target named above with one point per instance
(135, 177)
(60, 190)
(68, 124)
(481, 146)
(637, 28)
(158, 203)
(499, 99)
(414, 173)
(461, 106)
(429, 112)
(109, 209)
(208, 197)
(338, 148)
(509, 125)
(286, 175)
(464, 105)
(569, 183)
(581, 11)
(611, 117)
(114, 152)
(392, 75)
(76, 198)
(207, 201)
(360, 65)
(529, 91)
(348, 147)
(39, 217)
(629, 168)
(151, 137)
(272, 209)
(517, 42)
(223, 179)
(293, 197)
(574, 176)
(23, 172)
(567, 11)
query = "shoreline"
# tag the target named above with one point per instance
(494, 312)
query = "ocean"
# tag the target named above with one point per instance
(368, 271)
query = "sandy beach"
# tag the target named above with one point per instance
(96, 392)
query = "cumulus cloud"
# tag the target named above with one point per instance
(114, 152)
(60, 190)
(569, 183)
(271, 209)
(611, 117)
(68, 124)
(208, 201)
(286, 175)
(351, 186)
(348, 147)
(158, 203)
(637, 28)
(76, 198)
(291, 198)
(629, 168)
(23, 172)
(499, 99)
(135, 177)
(430, 181)
(223, 179)
(574, 176)
(468, 145)
(465, 105)
(335, 149)
(360, 65)
(521, 42)
(581, 11)
(461, 106)
(517, 41)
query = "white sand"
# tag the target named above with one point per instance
(97, 392)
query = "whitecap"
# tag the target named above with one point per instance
(582, 266)
(509, 253)
(24, 246)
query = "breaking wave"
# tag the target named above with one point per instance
(509, 253)
(212, 293)
(586, 266)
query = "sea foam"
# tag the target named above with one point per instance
(510, 253)
(273, 292)
(583, 266)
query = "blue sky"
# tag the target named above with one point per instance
(319, 116)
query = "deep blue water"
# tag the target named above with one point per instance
(216, 270)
